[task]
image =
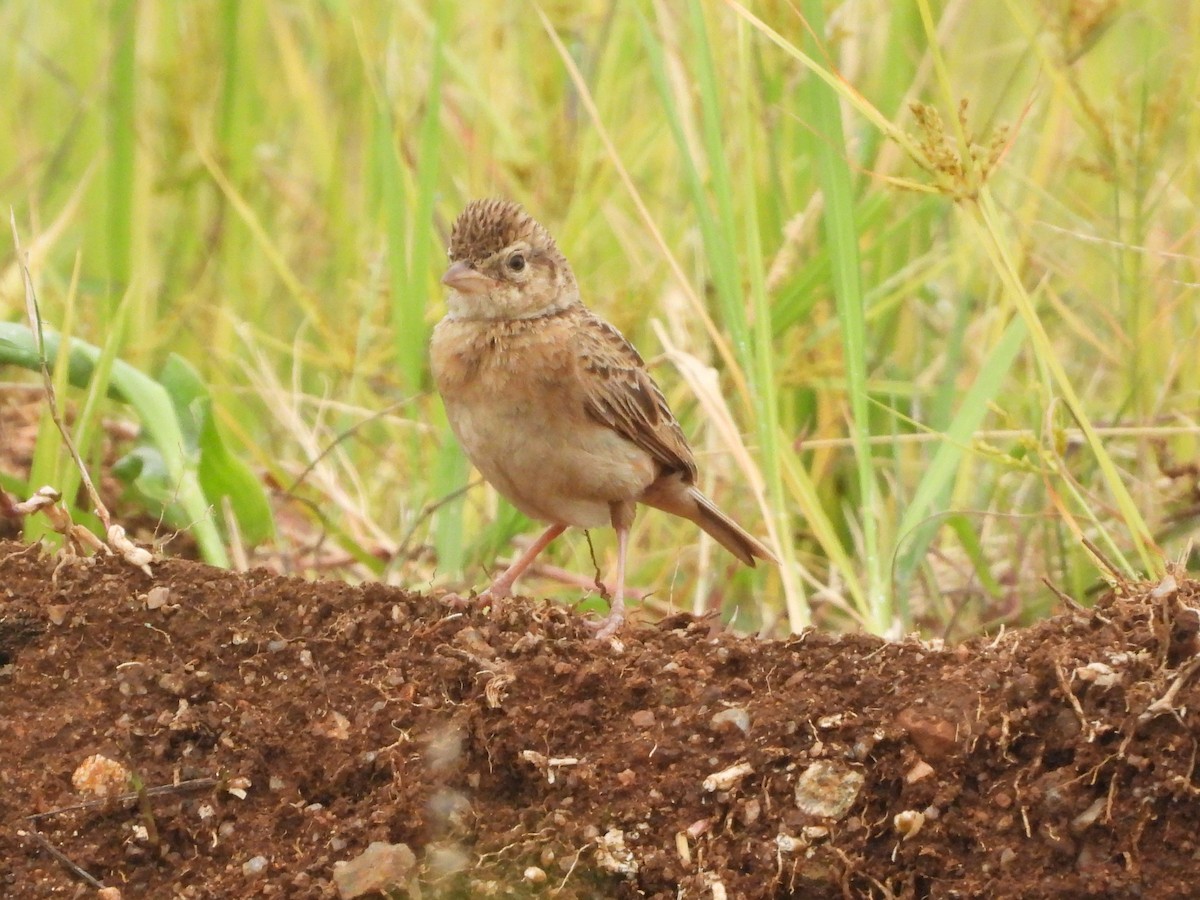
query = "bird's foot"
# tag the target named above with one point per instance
(495, 592)
(609, 625)
(454, 600)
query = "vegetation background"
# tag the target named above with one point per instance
(919, 279)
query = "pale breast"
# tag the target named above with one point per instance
(514, 401)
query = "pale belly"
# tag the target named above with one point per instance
(551, 465)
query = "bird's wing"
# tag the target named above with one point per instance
(619, 393)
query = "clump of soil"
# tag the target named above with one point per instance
(277, 727)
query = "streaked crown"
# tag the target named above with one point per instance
(486, 227)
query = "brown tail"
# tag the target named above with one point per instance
(686, 501)
(728, 533)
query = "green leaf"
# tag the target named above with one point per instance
(187, 391)
(147, 479)
(222, 474)
(919, 522)
(968, 535)
(153, 406)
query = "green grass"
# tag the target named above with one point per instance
(932, 352)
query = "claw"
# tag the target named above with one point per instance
(608, 626)
(454, 600)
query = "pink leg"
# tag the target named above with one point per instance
(502, 586)
(616, 614)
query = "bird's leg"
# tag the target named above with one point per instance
(611, 624)
(502, 586)
(622, 521)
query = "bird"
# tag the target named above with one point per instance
(551, 404)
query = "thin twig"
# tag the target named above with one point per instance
(603, 591)
(1166, 703)
(559, 575)
(341, 436)
(194, 784)
(72, 867)
(430, 508)
(1068, 601)
(35, 324)
(1070, 697)
(1116, 573)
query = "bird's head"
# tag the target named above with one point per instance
(504, 265)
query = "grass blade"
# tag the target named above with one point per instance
(833, 174)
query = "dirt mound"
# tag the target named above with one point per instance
(277, 727)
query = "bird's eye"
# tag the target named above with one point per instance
(516, 262)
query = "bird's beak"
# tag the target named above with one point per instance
(466, 280)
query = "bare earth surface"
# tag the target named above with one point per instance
(515, 757)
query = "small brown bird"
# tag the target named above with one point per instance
(551, 404)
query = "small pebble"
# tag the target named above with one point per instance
(254, 866)
(100, 776)
(751, 810)
(157, 597)
(643, 718)
(378, 868)
(734, 716)
(828, 789)
(908, 823)
(921, 770)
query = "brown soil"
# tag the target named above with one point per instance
(1055, 761)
